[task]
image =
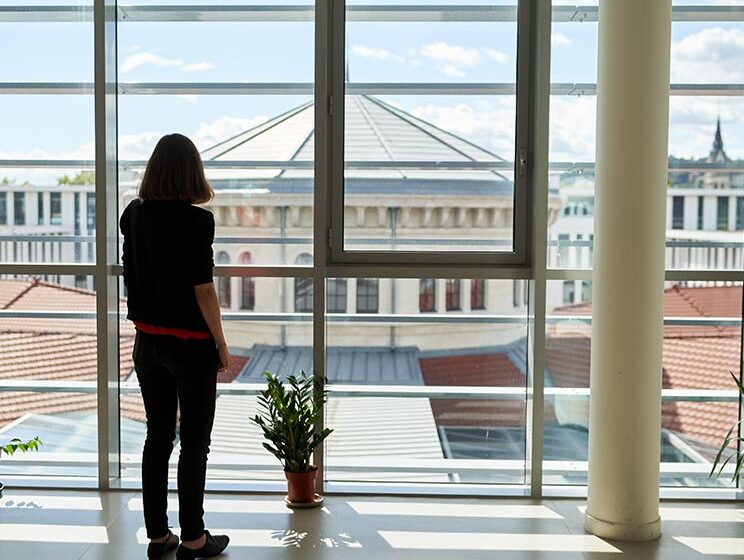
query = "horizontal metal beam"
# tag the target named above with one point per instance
(555, 166)
(385, 319)
(671, 275)
(371, 88)
(385, 464)
(705, 275)
(373, 13)
(400, 241)
(34, 269)
(336, 390)
(369, 271)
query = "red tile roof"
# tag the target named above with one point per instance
(476, 370)
(52, 349)
(693, 358)
(60, 349)
(684, 301)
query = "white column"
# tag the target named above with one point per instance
(632, 134)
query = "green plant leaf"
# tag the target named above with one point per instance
(287, 416)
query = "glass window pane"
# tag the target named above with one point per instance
(476, 434)
(261, 339)
(698, 357)
(257, 146)
(429, 171)
(706, 165)
(56, 345)
(47, 135)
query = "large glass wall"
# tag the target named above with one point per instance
(48, 339)
(428, 367)
(239, 83)
(702, 333)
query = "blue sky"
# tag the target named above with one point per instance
(62, 126)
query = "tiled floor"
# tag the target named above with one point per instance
(41, 525)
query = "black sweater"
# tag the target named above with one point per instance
(167, 251)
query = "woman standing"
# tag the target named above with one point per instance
(179, 345)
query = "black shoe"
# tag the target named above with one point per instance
(213, 547)
(158, 550)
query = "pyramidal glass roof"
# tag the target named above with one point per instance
(375, 132)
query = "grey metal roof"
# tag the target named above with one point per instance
(375, 131)
(394, 366)
(282, 185)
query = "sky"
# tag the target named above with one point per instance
(46, 126)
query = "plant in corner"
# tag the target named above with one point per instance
(287, 416)
(17, 444)
(732, 437)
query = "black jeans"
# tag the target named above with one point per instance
(176, 373)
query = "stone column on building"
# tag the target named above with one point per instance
(627, 322)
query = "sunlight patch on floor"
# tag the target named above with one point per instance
(714, 545)
(444, 509)
(696, 514)
(495, 541)
(42, 532)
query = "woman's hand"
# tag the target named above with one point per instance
(225, 357)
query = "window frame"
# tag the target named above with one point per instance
(224, 283)
(55, 219)
(453, 294)
(524, 147)
(427, 292)
(678, 212)
(371, 293)
(477, 294)
(337, 295)
(19, 203)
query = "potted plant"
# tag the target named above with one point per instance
(733, 436)
(287, 416)
(17, 444)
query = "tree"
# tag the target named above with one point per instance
(82, 178)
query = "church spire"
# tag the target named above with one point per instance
(717, 154)
(718, 142)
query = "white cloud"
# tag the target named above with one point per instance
(198, 67)
(144, 58)
(375, 53)
(452, 60)
(490, 125)
(141, 58)
(572, 128)
(498, 56)
(209, 134)
(138, 145)
(711, 55)
(559, 39)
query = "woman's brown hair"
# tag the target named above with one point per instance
(175, 172)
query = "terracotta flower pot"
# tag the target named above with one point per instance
(301, 485)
